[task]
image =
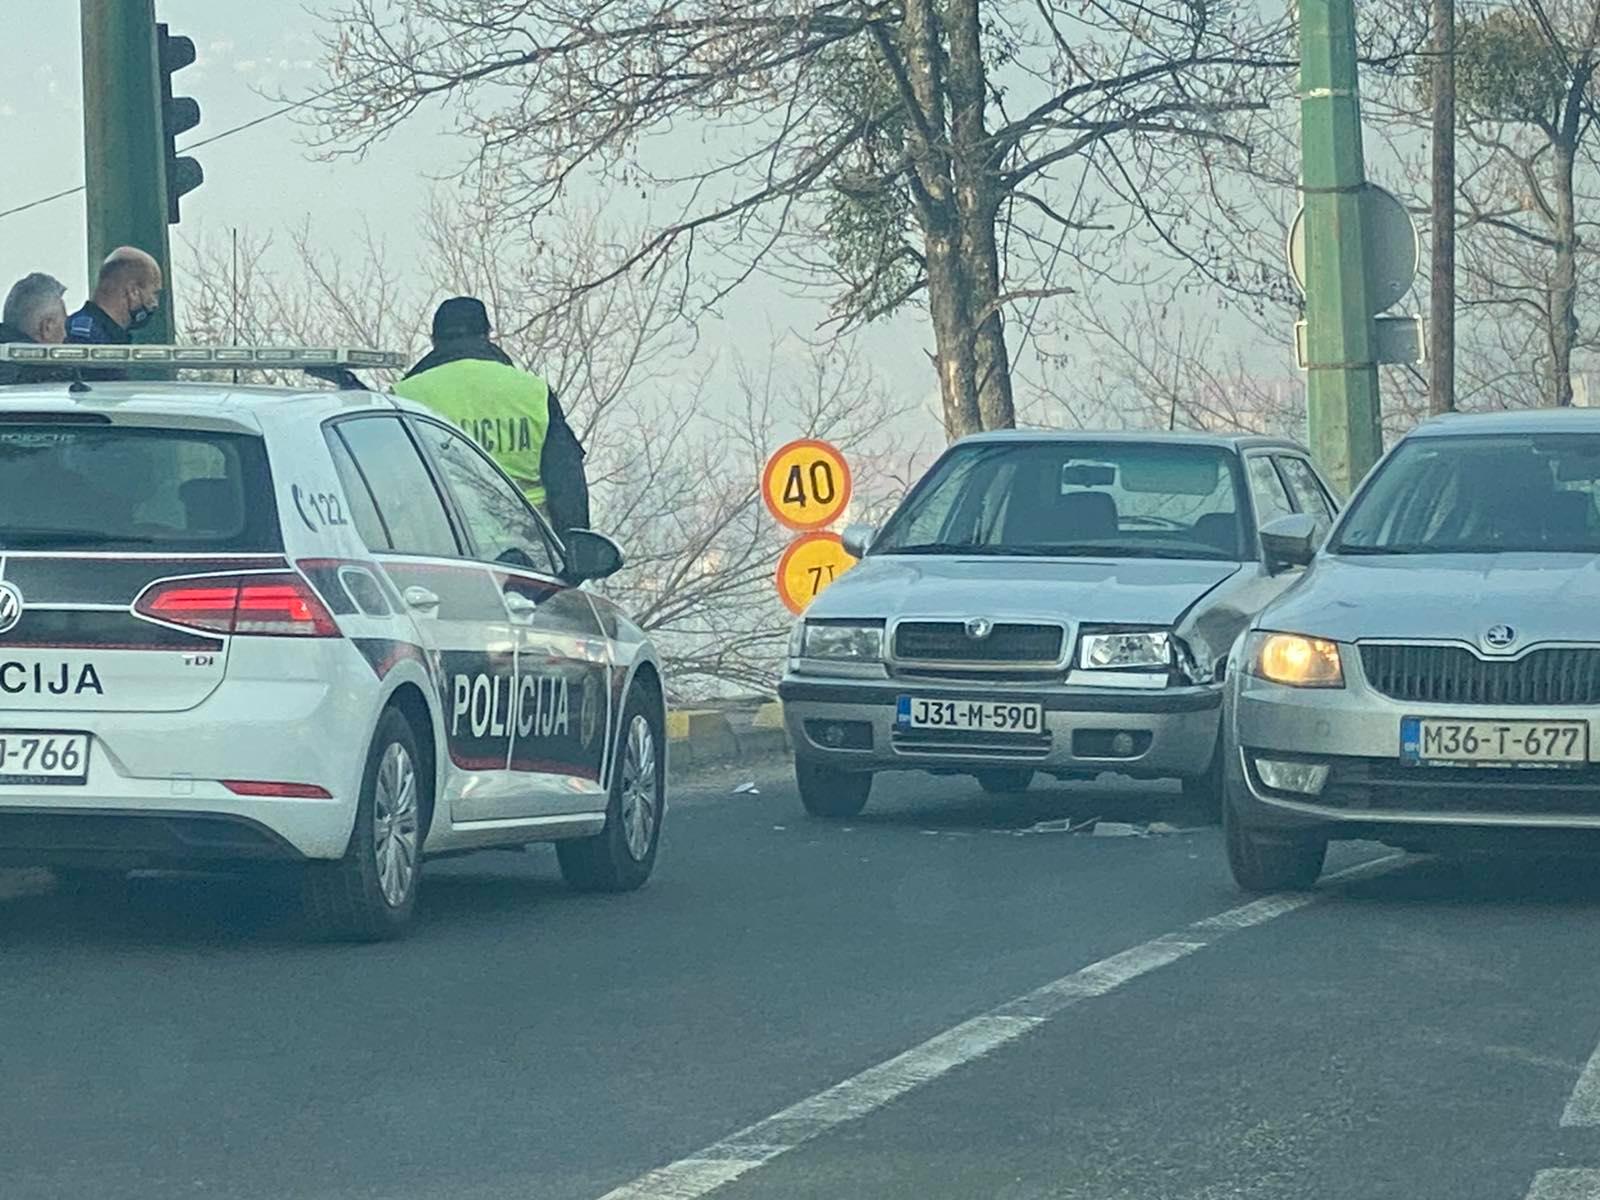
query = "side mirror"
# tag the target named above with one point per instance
(1290, 541)
(591, 555)
(857, 540)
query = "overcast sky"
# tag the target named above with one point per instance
(263, 180)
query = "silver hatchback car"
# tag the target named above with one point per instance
(1044, 601)
(1433, 680)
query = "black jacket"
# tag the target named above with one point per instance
(91, 326)
(566, 486)
(11, 372)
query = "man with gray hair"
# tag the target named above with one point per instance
(35, 311)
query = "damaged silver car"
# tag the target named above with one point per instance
(1056, 602)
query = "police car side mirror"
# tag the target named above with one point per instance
(1289, 541)
(591, 555)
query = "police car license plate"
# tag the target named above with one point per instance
(35, 757)
(978, 716)
(1447, 742)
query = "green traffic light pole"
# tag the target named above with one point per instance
(123, 147)
(1342, 373)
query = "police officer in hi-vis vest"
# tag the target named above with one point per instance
(512, 414)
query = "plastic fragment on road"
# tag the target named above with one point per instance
(747, 789)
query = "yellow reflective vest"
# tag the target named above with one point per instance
(503, 409)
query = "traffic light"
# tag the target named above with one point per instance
(179, 114)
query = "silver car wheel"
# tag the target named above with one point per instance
(641, 801)
(394, 824)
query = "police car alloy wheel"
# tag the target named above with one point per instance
(369, 895)
(621, 857)
(640, 796)
(395, 824)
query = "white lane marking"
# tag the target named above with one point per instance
(1566, 1183)
(740, 1153)
(1584, 1107)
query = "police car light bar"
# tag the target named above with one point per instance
(202, 358)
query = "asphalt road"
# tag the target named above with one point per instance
(929, 1002)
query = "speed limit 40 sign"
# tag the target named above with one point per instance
(806, 484)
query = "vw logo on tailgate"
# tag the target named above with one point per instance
(10, 606)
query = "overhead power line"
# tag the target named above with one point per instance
(281, 111)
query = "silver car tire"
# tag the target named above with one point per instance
(830, 793)
(1005, 781)
(1275, 862)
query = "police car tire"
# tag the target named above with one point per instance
(344, 899)
(830, 793)
(603, 863)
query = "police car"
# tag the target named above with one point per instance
(316, 628)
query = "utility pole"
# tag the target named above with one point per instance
(1442, 303)
(1342, 373)
(123, 143)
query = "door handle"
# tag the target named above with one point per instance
(520, 607)
(421, 600)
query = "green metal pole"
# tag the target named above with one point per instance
(1342, 377)
(124, 154)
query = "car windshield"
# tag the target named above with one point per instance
(1088, 499)
(1481, 495)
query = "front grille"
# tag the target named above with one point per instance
(948, 642)
(1360, 785)
(1455, 675)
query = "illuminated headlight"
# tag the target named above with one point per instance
(1304, 777)
(1295, 660)
(1149, 649)
(858, 642)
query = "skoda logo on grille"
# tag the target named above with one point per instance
(1499, 637)
(10, 606)
(979, 628)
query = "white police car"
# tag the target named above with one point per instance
(321, 628)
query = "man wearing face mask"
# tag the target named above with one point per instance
(126, 296)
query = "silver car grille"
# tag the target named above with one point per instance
(1436, 674)
(942, 642)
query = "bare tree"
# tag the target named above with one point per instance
(674, 476)
(934, 152)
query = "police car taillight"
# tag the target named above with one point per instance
(262, 605)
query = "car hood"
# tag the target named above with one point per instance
(1135, 591)
(1543, 597)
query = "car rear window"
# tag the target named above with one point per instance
(99, 487)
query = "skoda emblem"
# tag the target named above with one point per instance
(10, 606)
(1499, 637)
(979, 628)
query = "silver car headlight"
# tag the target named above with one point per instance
(841, 640)
(1121, 650)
